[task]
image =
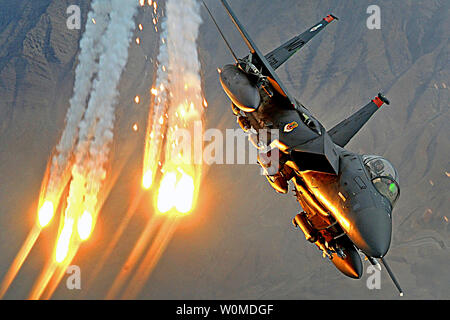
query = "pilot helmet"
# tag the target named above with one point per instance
(378, 165)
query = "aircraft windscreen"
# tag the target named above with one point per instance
(384, 177)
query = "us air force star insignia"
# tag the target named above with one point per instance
(290, 126)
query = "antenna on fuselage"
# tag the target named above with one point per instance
(221, 33)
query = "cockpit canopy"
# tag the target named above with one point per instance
(384, 177)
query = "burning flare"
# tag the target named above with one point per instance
(84, 225)
(45, 214)
(184, 194)
(63, 244)
(147, 180)
(176, 193)
(166, 192)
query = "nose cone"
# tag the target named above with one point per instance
(371, 231)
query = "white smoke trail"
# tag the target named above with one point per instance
(162, 80)
(182, 100)
(96, 129)
(111, 66)
(181, 169)
(183, 23)
(155, 137)
(178, 81)
(90, 49)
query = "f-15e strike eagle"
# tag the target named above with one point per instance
(346, 198)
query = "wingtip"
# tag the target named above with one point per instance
(383, 98)
(380, 100)
(329, 18)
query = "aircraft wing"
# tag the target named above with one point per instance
(343, 132)
(281, 54)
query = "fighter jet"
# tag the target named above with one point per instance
(346, 198)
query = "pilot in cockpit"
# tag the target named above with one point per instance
(378, 166)
(384, 177)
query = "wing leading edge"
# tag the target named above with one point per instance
(343, 132)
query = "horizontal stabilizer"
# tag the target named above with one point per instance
(342, 133)
(281, 54)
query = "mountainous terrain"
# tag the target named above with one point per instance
(239, 243)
